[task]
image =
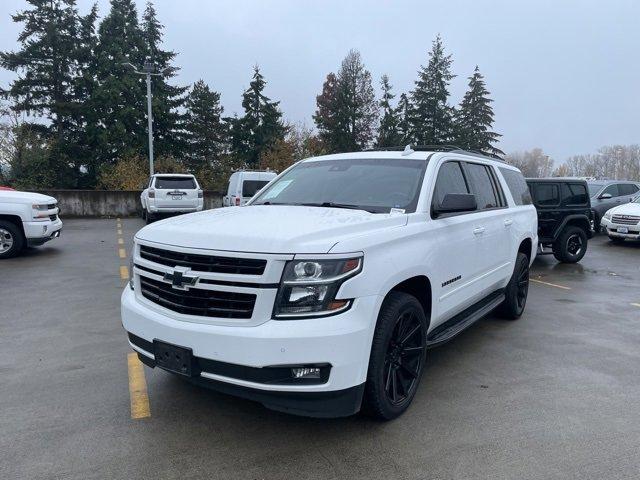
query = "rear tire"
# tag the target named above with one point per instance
(571, 245)
(149, 218)
(517, 290)
(144, 213)
(11, 240)
(617, 240)
(397, 359)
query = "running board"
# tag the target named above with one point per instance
(464, 319)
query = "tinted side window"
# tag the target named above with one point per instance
(250, 187)
(627, 189)
(574, 194)
(450, 180)
(517, 186)
(611, 190)
(481, 185)
(546, 194)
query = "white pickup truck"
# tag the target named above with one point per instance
(323, 293)
(26, 219)
(171, 194)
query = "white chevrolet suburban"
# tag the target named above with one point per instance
(171, 194)
(323, 293)
(26, 219)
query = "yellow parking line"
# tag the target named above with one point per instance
(636, 304)
(550, 284)
(124, 272)
(120, 241)
(119, 231)
(122, 253)
(137, 388)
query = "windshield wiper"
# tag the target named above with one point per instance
(337, 205)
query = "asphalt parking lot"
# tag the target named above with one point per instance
(553, 395)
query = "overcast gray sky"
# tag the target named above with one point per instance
(564, 75)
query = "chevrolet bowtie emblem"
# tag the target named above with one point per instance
(180, 278)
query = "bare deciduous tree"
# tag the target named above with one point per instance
(533, 163)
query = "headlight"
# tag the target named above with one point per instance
(607, 216)
(309, 287)
(40, 211)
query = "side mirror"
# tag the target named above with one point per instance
(457, 202)
(605, 196)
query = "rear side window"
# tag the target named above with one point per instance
(450, 180)
(517, 186)
(175, 183)
(482, 186)
(627, 189)
(546, 194)
(250, 187)
(574, 194)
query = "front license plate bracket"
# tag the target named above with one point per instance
(173, 358)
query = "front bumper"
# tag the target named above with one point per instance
(38, 233)
(342, 341)
(633, 231)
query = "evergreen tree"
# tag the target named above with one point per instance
(347, 110)
(431, 117)
(47, 63)
(207, 133)
(474, 118)
(167, 99)
(85, 122)
(119, 99)
(261, 124)
(404, 126)
(389, 129)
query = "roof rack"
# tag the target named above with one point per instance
(438, 148)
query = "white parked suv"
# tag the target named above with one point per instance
(26, 219)
(323, 294)
(171, 194)
(623, 222)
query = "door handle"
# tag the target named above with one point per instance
(508, 222)
(478, 230)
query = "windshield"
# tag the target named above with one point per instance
(594, 188)
(368, 184)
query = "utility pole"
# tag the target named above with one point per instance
(148, 70)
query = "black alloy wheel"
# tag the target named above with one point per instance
(403, 361)
(398, 356)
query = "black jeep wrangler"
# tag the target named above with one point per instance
(565, 218)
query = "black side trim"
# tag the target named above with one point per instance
(457, 324)
(215, 282)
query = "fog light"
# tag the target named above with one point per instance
(305, 372)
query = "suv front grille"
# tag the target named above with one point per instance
(195, 301)
(204, 263)
(625, 219)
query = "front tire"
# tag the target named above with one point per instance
(11, 240)
(571, 245)
(517, 290)
(398, 355)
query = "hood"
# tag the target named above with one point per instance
(626, 209)
(268, 228)
(9, 196)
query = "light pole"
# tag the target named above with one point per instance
(148, 70)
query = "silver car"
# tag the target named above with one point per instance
(606, 194)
